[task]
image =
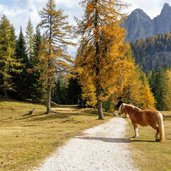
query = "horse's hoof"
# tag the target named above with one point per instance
(157, 140)
(134, 137)
(161, 140)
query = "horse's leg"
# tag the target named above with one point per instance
(135, 130)
(157, 133)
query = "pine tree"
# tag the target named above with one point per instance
(36, 85)
(29, 39)
(22, 80)
(36, 47)
(56, 38)
(101, 60)
(73, 91)
(8, 62)
(59, 93)
(159, 86)
(21, 51)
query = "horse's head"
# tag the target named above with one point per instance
(121, 108)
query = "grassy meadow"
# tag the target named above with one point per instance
(26, 140)
(149, 155)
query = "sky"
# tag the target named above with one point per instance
(19, 11)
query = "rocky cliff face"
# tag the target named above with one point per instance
(139, 25)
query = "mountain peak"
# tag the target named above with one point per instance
(166, 5)
(139, 11)
(139, 14)
(166, 9)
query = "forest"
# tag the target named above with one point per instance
(153, 52)
(35, 65)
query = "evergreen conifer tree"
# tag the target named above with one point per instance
(8, 62)
(22, 80)
(36, 86)
(159, 86)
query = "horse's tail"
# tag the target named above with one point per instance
(161, 126)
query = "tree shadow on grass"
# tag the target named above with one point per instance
(51, 116)
(23, 117)
(105, 139)
(44, 116)
(56, 115)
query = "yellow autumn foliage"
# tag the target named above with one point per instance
(148, 100)
(136, 90)
(114, 62)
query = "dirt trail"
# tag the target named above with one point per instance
(102, 148)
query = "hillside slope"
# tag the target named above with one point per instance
(153, 52)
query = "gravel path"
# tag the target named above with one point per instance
(102, 148)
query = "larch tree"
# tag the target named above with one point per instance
(168, 74)
(136, 89)
(57, 36)
(147, 97)
(102, 59)
(8, 61)
(131, 92)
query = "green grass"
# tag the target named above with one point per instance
(149, 155)
(26, 140)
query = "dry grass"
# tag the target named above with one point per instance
(151, 155)
(26, 140)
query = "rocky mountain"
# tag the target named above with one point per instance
(139, 25)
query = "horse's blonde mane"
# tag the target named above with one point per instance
(134, 107)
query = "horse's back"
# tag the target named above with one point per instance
(145, 117)
(150, 117)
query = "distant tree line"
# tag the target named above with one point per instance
(160, 82)
(153, 52)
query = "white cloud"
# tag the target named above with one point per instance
(19, 11)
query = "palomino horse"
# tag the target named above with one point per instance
(144, 118)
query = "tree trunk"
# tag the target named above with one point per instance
(97, 62)
(49, 96)
(99, 104)
(5, 94)
(100, 109)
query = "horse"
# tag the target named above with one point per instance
(144, 118)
